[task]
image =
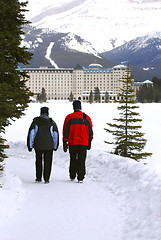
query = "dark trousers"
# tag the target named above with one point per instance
(43, 164)
(77, 167)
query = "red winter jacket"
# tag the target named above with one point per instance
(77, 129)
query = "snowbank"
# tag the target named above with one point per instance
(138, 191)
(136, 187)
(11, 196)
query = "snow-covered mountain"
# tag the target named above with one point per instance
(106, 24)
(144, 52)
(66, 32)
(55, 49)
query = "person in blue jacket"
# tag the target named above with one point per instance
(43, 136)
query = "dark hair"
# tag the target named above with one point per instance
(77, 105)
(44, 110)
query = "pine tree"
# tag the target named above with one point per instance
(71, 97)
(91, 97)
(129, 142)
(97, 97)
(14, 95)
(41, 97)
(106, 97)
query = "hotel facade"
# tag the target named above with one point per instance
(80, 81)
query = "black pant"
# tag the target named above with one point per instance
(77, 167)
(43, 164)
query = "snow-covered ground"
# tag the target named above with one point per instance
(119, 199)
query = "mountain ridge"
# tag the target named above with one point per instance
(52, 50)
(105, 24)
(142, 52)
(71, 32)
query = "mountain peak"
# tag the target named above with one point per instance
(105, 24)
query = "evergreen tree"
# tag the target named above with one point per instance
(156, 95)
(157, 89)
(38, 97)
(157, 82)
(145, 93)
(71, 97)
(14, 95)
(150, 93)
(41, 97)
(106, 97)
(97, 97)
(91, 97)
(129, 142)
(142, 94)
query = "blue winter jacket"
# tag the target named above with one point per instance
(43, 134)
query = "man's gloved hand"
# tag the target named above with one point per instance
(65, 146)
(89, 146)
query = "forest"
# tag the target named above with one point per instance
(150, 93)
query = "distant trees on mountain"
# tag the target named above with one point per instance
(150, 93)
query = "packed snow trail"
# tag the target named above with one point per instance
(61, 210)
(119, 195)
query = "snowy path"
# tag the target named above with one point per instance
(119, 200)
(61, 210)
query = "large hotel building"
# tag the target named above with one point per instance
(59, 83)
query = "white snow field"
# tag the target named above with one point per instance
(120, 199)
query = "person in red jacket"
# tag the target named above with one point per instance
(77, 134)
